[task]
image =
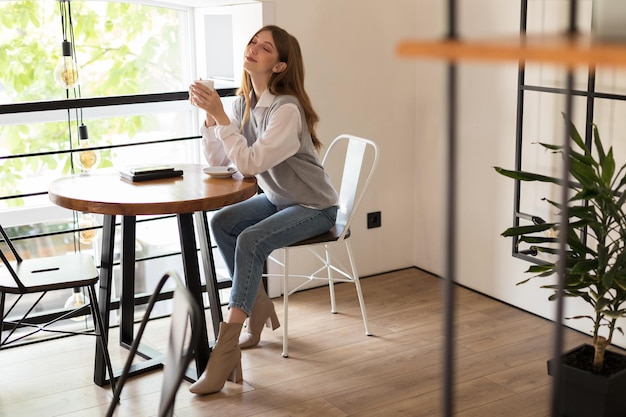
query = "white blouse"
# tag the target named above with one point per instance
(225, 145)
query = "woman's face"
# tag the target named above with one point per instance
(261, 55)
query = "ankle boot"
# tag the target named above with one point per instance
(263, 313)
(224, 362)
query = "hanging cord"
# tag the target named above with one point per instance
(71, 30)
(67, 30)
(62, 13)
(76, 88)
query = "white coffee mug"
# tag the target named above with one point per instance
(207, 83)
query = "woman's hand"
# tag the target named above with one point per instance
(209, 101)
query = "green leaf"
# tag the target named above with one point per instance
(598, 143)
(538, 269)
(526, 176)
(522, 230)
(613, 314)
(594, 259)
(608, 168)
(602, 303)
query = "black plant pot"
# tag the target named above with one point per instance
(587, 394)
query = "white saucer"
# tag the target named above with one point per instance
(219, 172)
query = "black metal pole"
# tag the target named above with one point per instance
(564, 224)
(449, 333)
(448, 293)
(562, 239)
(519, 138)
(573, 17)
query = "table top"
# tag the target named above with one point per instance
(104, 192)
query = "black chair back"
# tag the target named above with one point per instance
(5, 260)
(186, 314)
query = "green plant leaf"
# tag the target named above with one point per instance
(523, 230)
(613, 314)
(526, 176)
(594, 258)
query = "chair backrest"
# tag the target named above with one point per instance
(356, 166)
(5, 260)
(185, 314)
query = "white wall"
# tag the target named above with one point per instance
(358, 86)
(486, 133)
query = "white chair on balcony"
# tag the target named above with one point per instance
(360, 160)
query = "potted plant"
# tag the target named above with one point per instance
(595, 269)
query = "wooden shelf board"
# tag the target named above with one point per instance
(569, 51)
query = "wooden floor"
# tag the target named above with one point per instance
(333, 370)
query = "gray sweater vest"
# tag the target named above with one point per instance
(300, 179)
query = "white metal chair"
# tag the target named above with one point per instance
(40, 276)
(361, 158)
(186, 316)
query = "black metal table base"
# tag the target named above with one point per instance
(189, 252)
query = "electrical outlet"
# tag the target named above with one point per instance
(373, 219)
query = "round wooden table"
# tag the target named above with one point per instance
(190, 196)
(104, 192)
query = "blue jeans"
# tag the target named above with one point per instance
(247, 232)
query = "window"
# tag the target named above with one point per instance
(135, 62)
(121, 49)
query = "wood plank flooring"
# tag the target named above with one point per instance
(333, 370)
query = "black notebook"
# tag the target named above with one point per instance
(150, 173)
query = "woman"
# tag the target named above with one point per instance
(271, 136)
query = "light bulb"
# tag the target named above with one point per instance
(89, 159)
(66, 71)
(88, 221)
(76, 300)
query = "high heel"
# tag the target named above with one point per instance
(272, 322)
(263, 313)
(224, 362)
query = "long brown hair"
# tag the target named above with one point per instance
(287, 82)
